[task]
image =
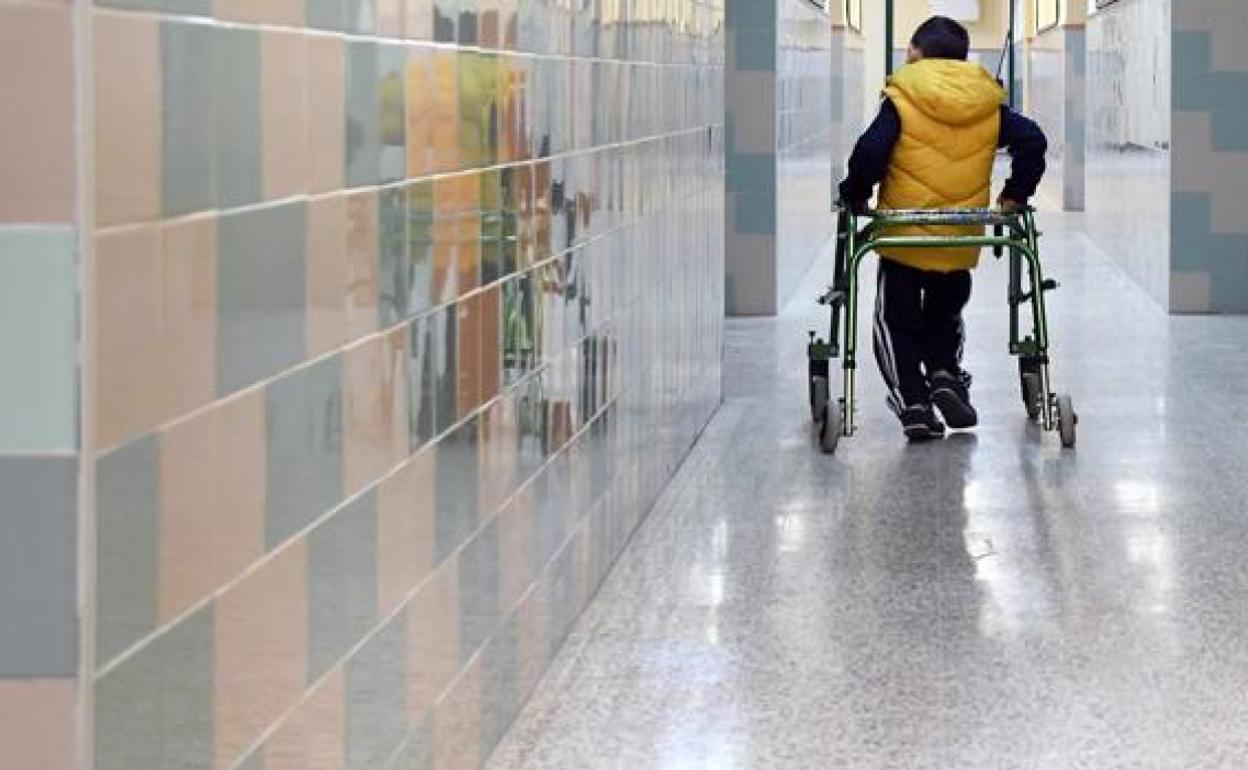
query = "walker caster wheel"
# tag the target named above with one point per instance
(1033, 394)
(818, 397)
(1067, 421)
(830, 428)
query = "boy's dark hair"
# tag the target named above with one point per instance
(942, 38)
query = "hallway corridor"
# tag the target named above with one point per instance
(989, 602)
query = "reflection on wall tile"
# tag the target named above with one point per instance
(396, 344)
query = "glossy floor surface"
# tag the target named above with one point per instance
(990, 601)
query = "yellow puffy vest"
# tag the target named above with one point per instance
(950, 124)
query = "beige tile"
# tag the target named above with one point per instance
(533, 642)
(128, 367)
(390, 18)
(326, 121)
(188, 313)
(284, 105)
(261, 651)
(362, 264)
(406, 528)
(457, 723)
(36, 114)
(241, 475)
(328, 274)
(127, 118)
(421, 159)
(445, 113)
(433, 639)
(375, 408)
(37, 718)
(314, 736)
(418, 19)
(283, 12)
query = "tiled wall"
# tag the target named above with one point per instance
(404, 312)
(1209, 198)
(1057, 101)
(779, 86)
(39, 437)
(1128, 156)
(804, 142)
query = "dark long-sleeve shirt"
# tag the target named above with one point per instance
(868, 165)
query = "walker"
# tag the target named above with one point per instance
(1012, 232)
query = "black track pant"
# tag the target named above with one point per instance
(918, 328)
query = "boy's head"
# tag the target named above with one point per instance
(940, 38)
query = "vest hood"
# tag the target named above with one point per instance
(955, 93)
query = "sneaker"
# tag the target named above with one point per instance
(951, 394)
(920, 423)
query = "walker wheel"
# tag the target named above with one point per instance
(818, 398)
(1033, 395)
(1067, 420)
(831, 427)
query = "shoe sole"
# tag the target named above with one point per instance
(921, 433)
(957, 413)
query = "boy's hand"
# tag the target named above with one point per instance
(1009, 207)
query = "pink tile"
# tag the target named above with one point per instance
(261, 651)
(376, 432)
(362, 264)
(37, 114)
(284, 101)
(433, 639)
(314, 736)
(407, 520)
(212, 498)
(326, 120)
(188, 262)
(515, 549)
(37, 723)
(328, 274)
(127, 117)
(457, 723)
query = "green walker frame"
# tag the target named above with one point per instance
(1013, 232)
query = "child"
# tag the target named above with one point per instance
(932, 146)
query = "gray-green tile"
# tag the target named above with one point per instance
(260, 293)
(363, 131)
(304, 448)
(155, 709)
(392, 232)
(189, 178)
(342, 583)
(236, 109)
(38, 566)
(126, 523)
(376, 682)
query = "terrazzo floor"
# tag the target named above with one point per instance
(990, 601)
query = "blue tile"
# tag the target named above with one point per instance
(755, 50)
(1195, 248)
(236, 109)
(1230, 129)
(327, 14)
(126, 523)
(503, 695)
(304, 448)
(38, 567)
(342, 583)
(750, 14)
(755, 213)
(754, 172)
(444, 330)
(417, 753)
(260, 293)
(38, 339)
(376, 697)
(155, 709)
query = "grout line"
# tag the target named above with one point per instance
(428, 312)
(407, 182)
